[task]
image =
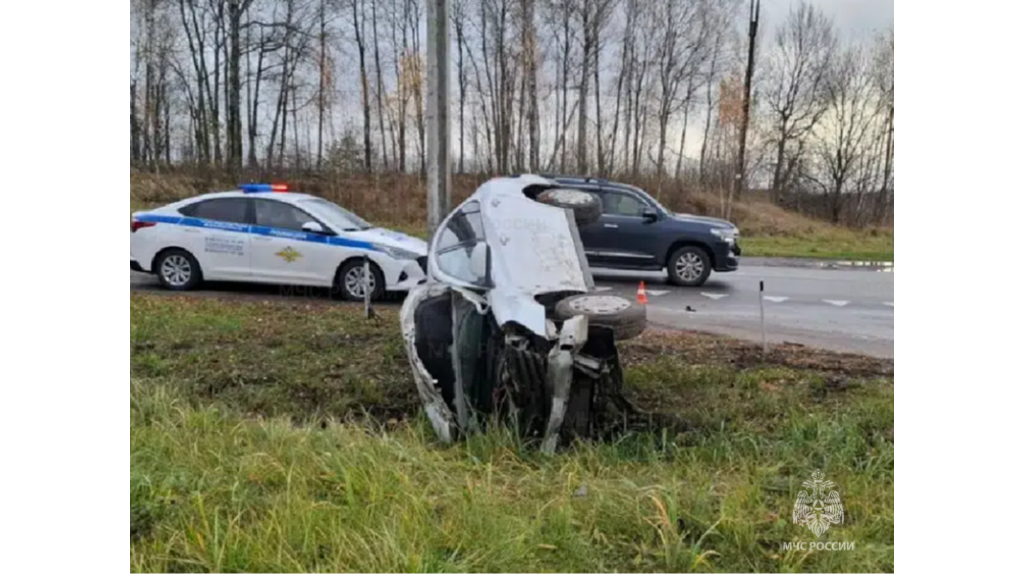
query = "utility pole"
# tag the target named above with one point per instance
(439, 171)
(741, 168)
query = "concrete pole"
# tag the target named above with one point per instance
(439, 171)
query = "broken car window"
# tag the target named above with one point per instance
(459, 239)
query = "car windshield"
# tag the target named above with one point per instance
(337, 216)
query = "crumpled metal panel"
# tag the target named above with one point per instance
(430, 393)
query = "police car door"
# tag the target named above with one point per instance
(283, 253)
(216, 232)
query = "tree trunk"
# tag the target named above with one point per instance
(254, 107)
(532, 86)
(565, 90)
(460, 40)
(581, 150)
(380, 89)
(780, 159)
(322, 88)
(884, 196)
(682, 143)
(707, 132)
(234, 89)
(136, 143)
(357, 24)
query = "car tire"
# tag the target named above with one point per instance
(177, 270)
(346, 283)
(627, 319)
(689, 267)
(585, 206)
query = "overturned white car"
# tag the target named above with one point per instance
(507, 327)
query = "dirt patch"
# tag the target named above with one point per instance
(702, 349)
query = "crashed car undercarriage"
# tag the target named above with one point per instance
(507, 328)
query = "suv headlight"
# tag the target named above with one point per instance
(399, 254)
(726, 235)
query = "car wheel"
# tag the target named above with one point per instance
(689, 267)
(625, 318)
(350, 282)
(585, 206)
(178, 270)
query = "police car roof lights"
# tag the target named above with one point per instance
(263, 188)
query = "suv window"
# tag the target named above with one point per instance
(280, 215)
(622, 204)
(458, 240)
(223, 210)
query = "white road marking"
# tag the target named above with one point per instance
(602, 289)
(657, 293)
(837, 303)
(714, 296)
(890, 305)
(777, 299)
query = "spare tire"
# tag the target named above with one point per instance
(585, 206)
(627, 319)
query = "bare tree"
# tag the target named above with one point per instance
(381, 90)
(681, 49)
(136, 142)
(359, 27)
(459, 20)
(842, 144)
(531, 58)
(885, 76)
(795, 86)
(236, 9)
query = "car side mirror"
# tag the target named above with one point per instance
(650, 215)
(315, 228)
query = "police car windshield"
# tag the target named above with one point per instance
(337, 216)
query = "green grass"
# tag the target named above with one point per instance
(878, 246)
(286, 437)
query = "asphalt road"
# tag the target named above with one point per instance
(842, 307)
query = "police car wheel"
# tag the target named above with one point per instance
(178, 270)
(349, 283)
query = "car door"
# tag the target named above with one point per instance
(283, 253)
(216, 232)
(622, 238)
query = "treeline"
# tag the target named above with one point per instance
(649, 89)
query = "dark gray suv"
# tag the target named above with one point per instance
(635, 232)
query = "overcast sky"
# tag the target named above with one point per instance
(855, 19)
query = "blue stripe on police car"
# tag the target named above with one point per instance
(257, 230)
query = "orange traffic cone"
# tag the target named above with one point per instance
(641, 294)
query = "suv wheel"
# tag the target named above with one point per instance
(689, 267)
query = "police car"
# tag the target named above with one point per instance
(266, 234)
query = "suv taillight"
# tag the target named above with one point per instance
(137, 225)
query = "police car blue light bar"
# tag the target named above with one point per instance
(263, 188)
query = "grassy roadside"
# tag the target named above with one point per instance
(285, 437)
(845, 245)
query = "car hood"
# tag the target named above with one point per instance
(388, 238)
(712, 222)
